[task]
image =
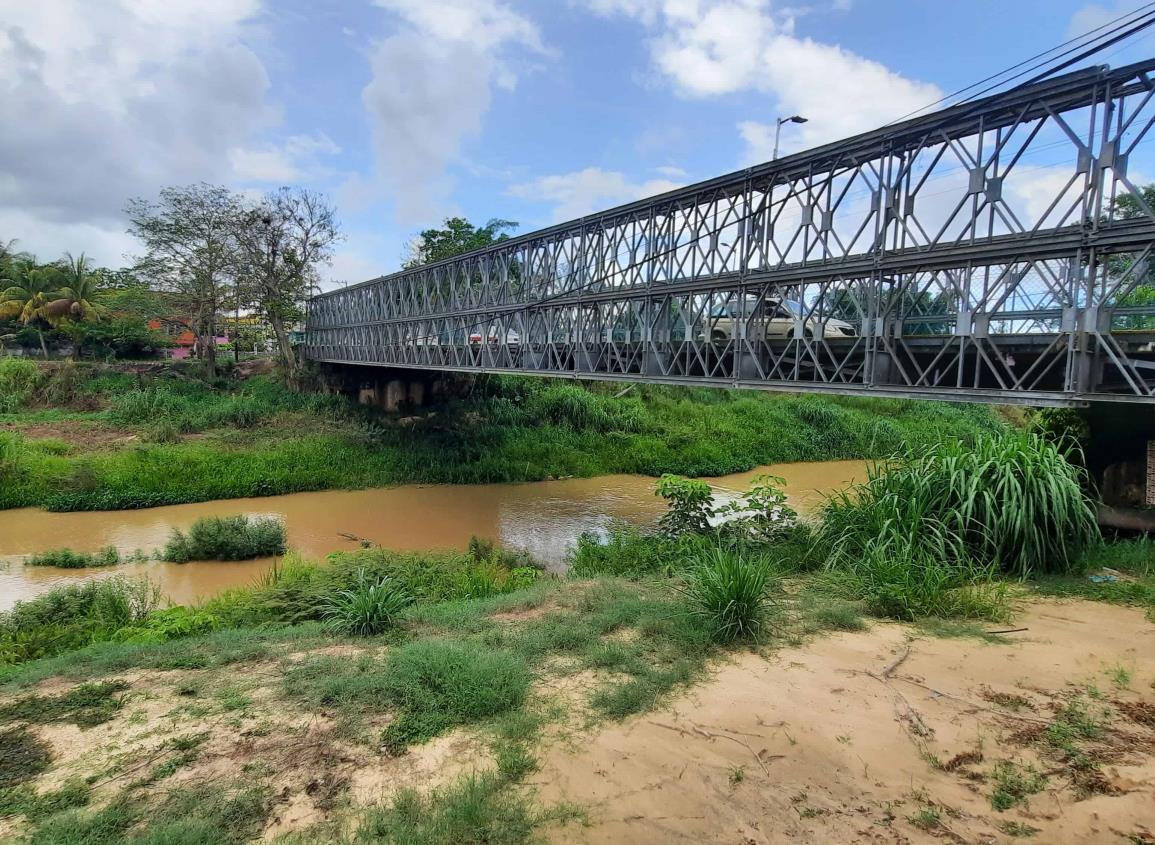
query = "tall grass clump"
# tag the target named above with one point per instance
(1010, 500)
(226, 538)
(18, 381)
(729, 596)
(367, 608)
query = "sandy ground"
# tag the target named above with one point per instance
(842, 739)
(882, 736)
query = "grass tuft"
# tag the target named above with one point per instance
(226, 538)
(728, 596)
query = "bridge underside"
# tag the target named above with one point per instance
(996, 251)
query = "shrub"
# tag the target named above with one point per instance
(439, 683)
(1011, 501)
(226, 538)
(18, 381)
(690, 504)
(368, 608)
(68, 559)
(729, 597)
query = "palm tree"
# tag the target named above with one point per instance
(28, 290)
(77, 292)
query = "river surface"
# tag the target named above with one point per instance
(542, 517)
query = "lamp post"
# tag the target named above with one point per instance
(797, 118)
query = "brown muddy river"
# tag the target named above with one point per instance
(544, 517)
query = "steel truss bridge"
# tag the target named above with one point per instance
(998, 250)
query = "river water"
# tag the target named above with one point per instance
(543, 517)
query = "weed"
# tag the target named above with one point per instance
(68, 559)
(1016, 829)
(368, 608)
(1014, 783)
(86, 705)
(729, 596)
(1119, 675)
(737, 775)
(23, 756)
(928, 818)
(25, 801)
(226, 538)
(440, 683)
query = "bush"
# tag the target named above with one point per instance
(728, 596)
(226, 538)
(68, 559)
(1010, 501)
(368, 608)
(439, 683)
(18, 381)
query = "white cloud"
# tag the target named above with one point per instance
(432, 85)
(294, 159)
(714, 47)
(104, 101)
(586, 191)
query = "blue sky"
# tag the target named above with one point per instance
(407, 111)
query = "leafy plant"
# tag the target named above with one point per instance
(368, 608)
(690, 504)
(68, 559)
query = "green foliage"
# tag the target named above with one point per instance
(459, 236)
(18, 382)
(86, 705)
(68, 559)
(440, 683)
(73, 616)
(202, 814)
(1014, 784)
(368, 608)
(23, 756)
(25, 801)
(729, 596)
(226, 538)
(689, 505)
(481, 809)
(1010, 501)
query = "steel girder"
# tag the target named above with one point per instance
(998, 250)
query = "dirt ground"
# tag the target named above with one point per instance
(861, 737)
(887, 735)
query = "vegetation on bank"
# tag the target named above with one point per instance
(81, 437)
(440, 641)
(226, 538)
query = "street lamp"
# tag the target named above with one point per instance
(797, 118)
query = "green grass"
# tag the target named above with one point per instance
(226, 538)
(23, 756)
(25, 801)
(367, 608)
(86, 705)
(206, 814)
(68, 559)
(1014, 784)
(506, 429)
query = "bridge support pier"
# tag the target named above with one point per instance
(392, 389)
(1120, 457)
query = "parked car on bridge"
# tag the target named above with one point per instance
(771, 318)
(512, 338)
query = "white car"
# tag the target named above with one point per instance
(512, 338)
(771, 318)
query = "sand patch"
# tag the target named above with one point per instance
(850, 739)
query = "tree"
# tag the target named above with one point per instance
(191, 255)
(1141, 291)
(459, 236)
(78, 289)
(281, 243)
(27, 290)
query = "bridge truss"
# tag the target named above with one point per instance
(999, 250)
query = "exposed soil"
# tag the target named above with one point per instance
(880, 736)
(861, 737)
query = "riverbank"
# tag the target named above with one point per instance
(786, 681)
(85, 437)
